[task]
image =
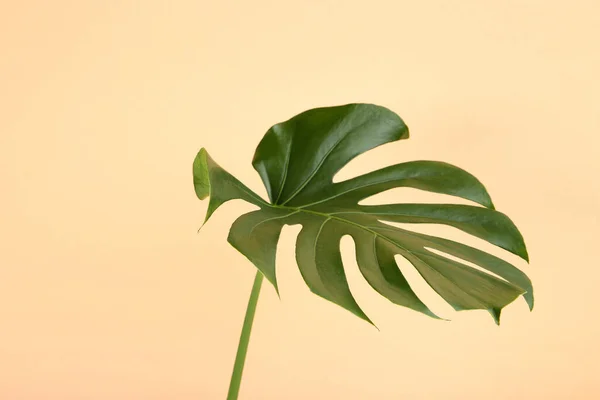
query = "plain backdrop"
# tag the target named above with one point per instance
(108, 292)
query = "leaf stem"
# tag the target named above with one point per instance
(240, 358)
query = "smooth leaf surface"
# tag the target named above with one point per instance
(297, 160)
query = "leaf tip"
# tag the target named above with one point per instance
(203, 222)
(435, 316)
(487, 202)
(405, 132)
(364, 317)
(529, 299)
(273, 281)
(525, 254)
(358, 312)
(495, 311)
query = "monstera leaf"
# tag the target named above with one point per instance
(297, 161)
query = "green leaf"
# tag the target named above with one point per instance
(297, 160)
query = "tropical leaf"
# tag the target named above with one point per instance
(297, 161)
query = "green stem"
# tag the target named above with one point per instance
(240, 358)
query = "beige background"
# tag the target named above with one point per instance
(106, 290)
